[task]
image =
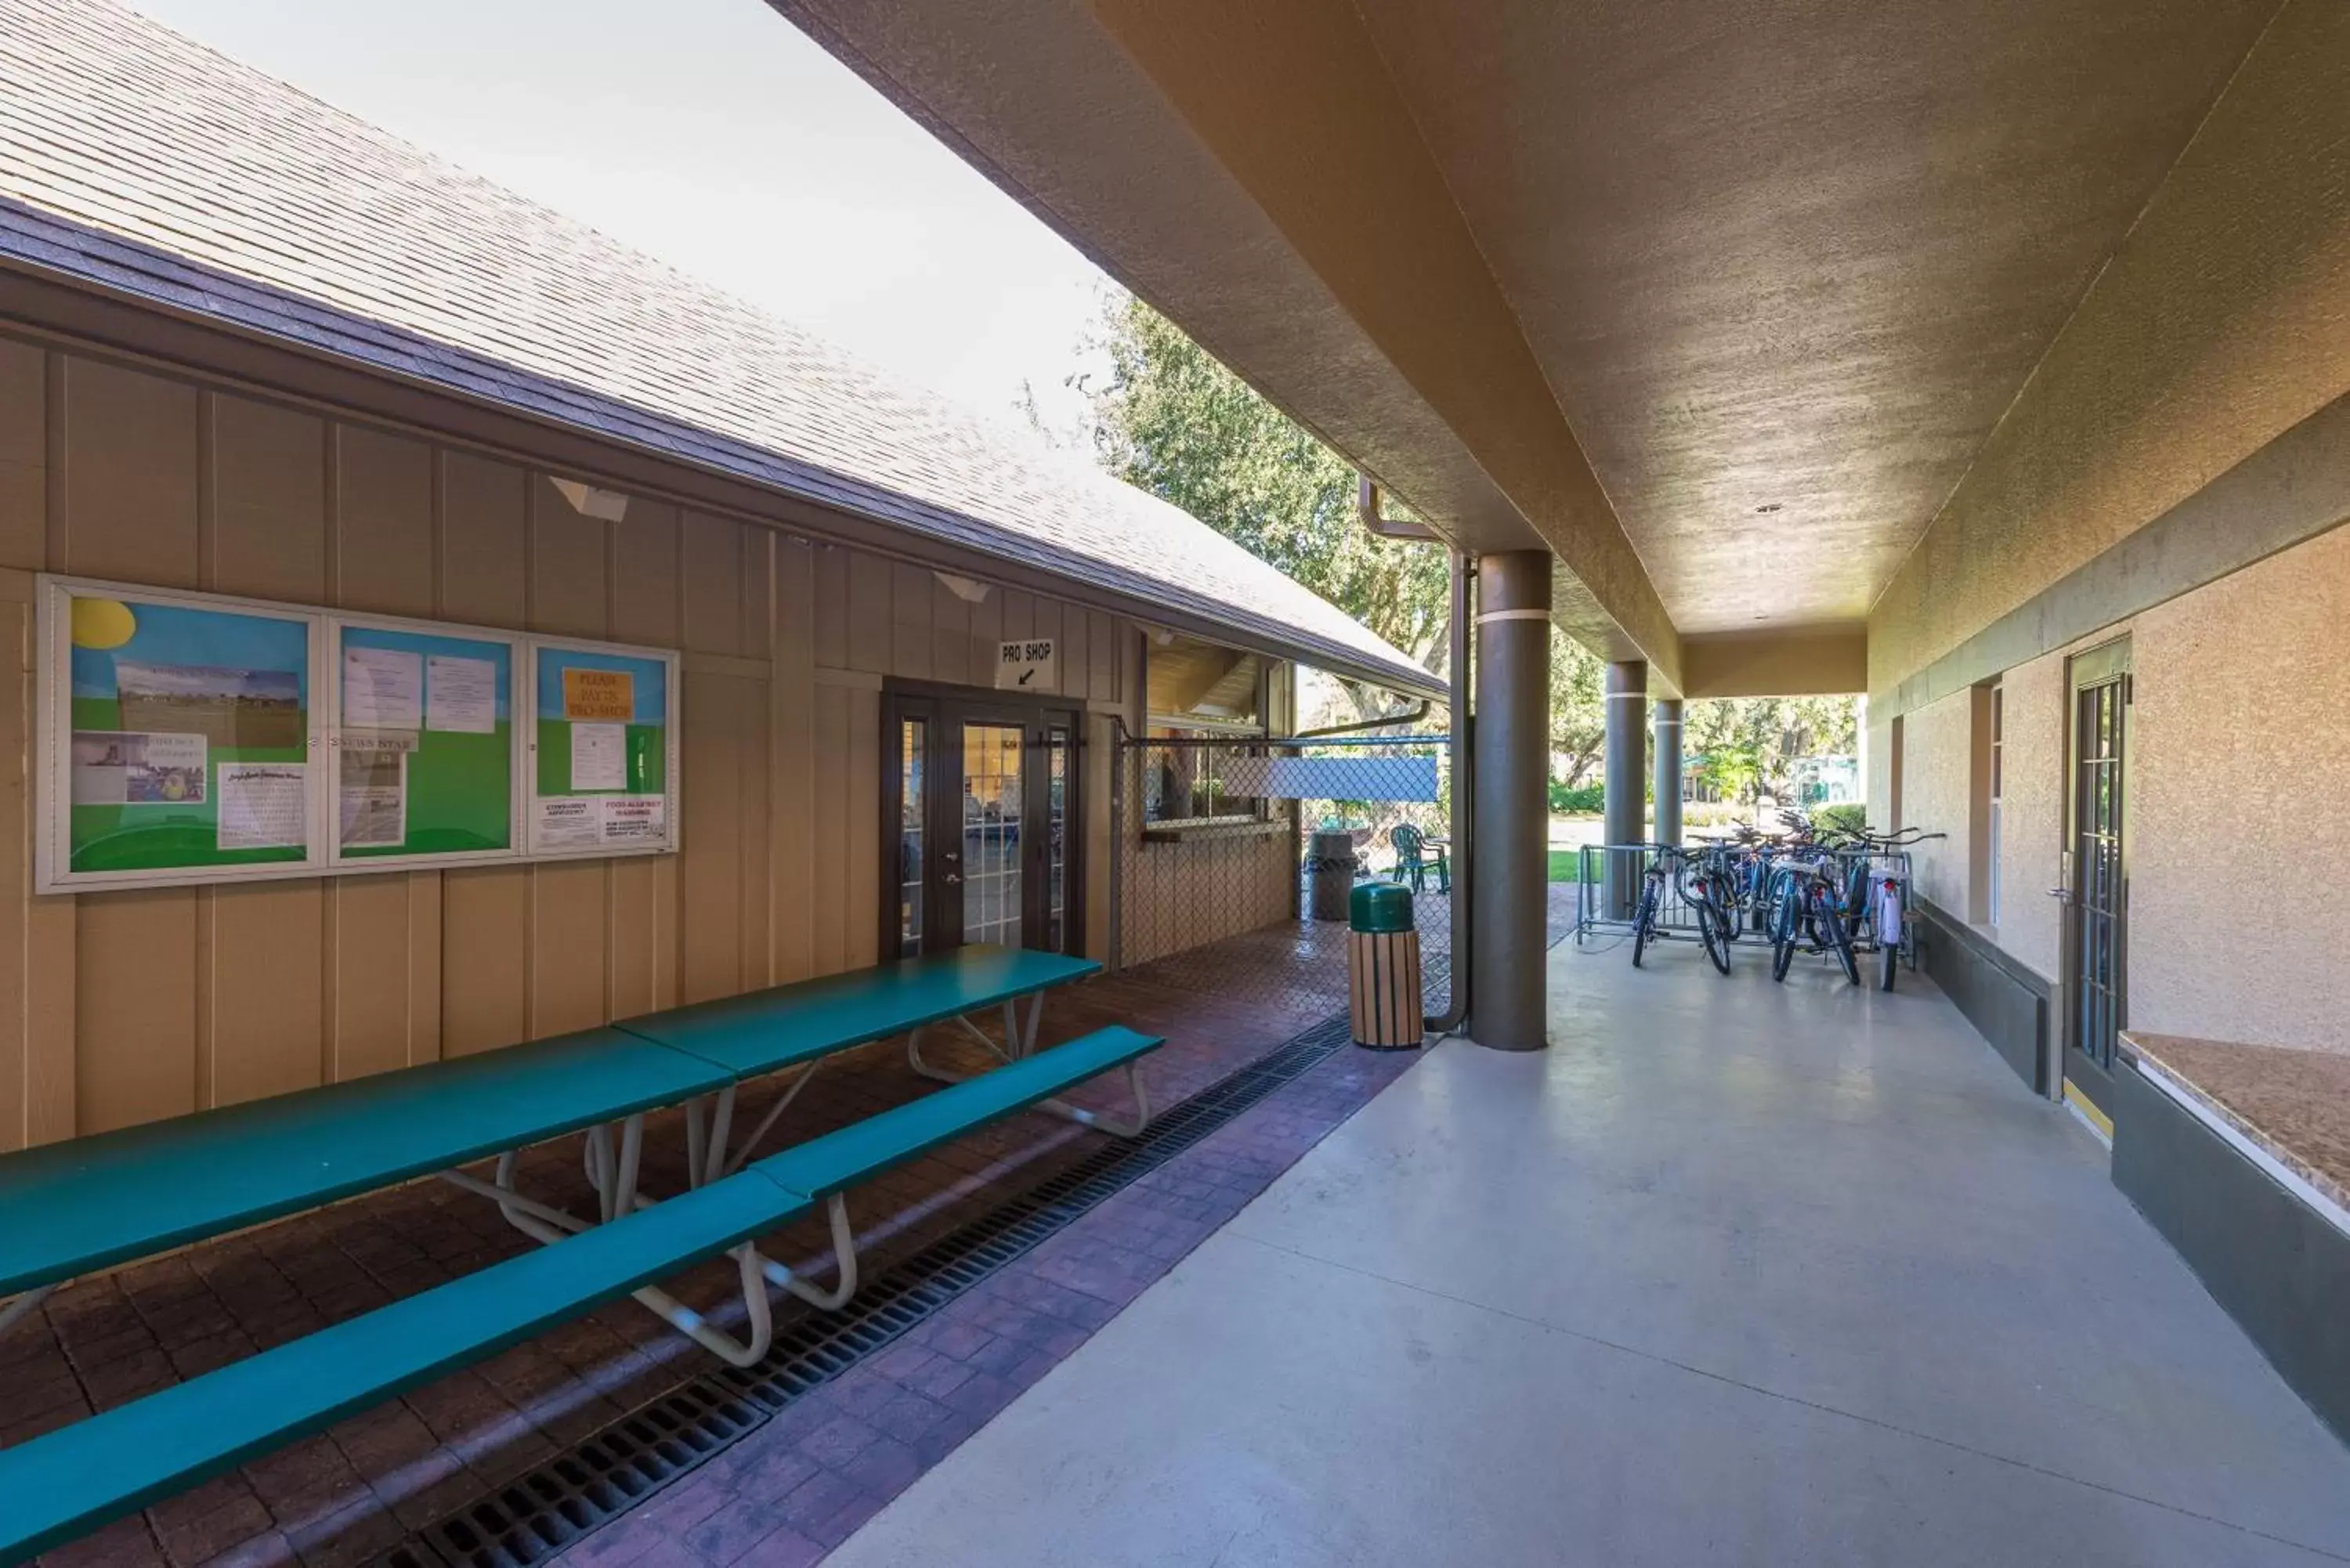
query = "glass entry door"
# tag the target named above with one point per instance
(2097, 880)
(979, 826)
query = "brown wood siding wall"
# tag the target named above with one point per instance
(118, 1008)
(1197, 890)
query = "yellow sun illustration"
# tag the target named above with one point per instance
(102, 623)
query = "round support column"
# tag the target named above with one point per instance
(1510, 844)
(1668, 725)
(1624, 799)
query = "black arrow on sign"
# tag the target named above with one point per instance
(1027, 676)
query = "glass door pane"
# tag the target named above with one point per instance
(1056, 820)
(912, 738)
(993, 806)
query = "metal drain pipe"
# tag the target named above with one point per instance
(1464, 618)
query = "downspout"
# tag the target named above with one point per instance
(1367, 507)
(1464, 579)
(1464, 616)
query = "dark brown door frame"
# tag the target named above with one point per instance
(944, 709)
(2095, 886)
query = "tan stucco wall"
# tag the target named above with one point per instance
(2031, 826)
(2239, 834)
(2238, 746)
(1934, 796)
(117, 1008)
(2223, 319)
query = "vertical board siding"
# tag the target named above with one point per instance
(24, 456)
(118, 1008)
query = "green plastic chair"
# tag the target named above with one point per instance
(1412, 863)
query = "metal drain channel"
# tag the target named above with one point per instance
(552, 1507)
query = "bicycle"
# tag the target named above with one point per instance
(1702, 893)
(1877, 895)
(1809, 910)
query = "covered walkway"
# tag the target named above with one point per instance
(1734, 1273)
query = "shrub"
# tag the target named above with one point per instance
(1851, 817)
(1587, 799)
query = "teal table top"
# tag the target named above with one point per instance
(68, 1208)
(765, 1031)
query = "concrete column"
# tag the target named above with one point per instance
(1667, 724)
(1624, 799)
(1509, 841)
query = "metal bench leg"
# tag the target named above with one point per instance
(942, 1074)
(766, 1124)
(550, 1226)
(844, 1255)
(1095, 1119)
(23, 1305)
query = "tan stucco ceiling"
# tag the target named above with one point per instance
(1716, 301)
(1798, 256)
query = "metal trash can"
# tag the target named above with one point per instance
(1383, 967)
(1333, 862)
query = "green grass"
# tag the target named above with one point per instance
(1565, 866)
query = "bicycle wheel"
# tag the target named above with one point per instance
(1713, 929)
(1783, 939)
(1840, 938)
(1888, 959)
(1643, 923)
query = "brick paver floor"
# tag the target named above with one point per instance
(795, 1487)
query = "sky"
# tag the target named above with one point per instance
(718, 138)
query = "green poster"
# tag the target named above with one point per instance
(601, 781)
(424, 743)
(189, 743)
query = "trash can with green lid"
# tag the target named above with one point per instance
(1383, 966)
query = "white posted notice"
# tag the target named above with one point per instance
(635, 819)
(461, 695)
(599, 756)
(383, 688)
(264, 806)
(564, 823)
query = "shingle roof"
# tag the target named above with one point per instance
(133, 158)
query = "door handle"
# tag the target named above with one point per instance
(952, 878)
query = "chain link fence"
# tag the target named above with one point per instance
(1231, 881)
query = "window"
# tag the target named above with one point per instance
(1183, 780)
(1998, 781)
(1207, 705)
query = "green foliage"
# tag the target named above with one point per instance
(1851, 817)
(1174, 422)
(1747, 743)
(1566, 797)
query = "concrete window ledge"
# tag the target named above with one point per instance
(2240, 1155)
(1210, 827)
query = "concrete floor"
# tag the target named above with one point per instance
(1734, 1273)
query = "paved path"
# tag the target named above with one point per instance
(1733, 1274)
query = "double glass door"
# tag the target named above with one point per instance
(979, 828)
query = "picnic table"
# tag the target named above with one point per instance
(71, 1209)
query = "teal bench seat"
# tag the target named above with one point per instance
(69, 1208)
(826, 1165)
(765, 1032)
(70, 1481)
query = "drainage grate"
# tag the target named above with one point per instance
(547, 1508)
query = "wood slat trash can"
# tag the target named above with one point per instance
(1383, 967)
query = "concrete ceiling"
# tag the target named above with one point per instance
(1715, 300)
